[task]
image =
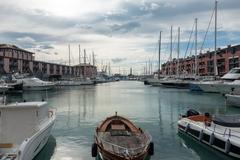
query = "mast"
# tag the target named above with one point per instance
(93, 58)
(171, 50)
(84, 63)
(178, 51)
(69, 60)
(79, 58)
(159, 54)
(196, 63)
(215, 46)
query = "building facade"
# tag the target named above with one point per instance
(227, 58)
(14, 59)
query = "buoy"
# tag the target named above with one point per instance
(227, 146)
(94, 150)
(200, 135)
(212, 137)
(151, 149)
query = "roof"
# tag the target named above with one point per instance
(23, 105)
(10, 46)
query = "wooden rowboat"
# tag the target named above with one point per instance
(117, 138)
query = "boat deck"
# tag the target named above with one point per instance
(124, 142)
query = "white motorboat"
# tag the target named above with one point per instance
(221, 132)
(227, 83)
(68, 83)
(233, 100)
(153, 81)
(75, 82)
(24, 129)
(208, 86)
(87, 81)
(35, 84)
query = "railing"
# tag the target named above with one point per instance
(227, 132)
(127, 152)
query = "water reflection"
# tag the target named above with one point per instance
(80, 109)
(203, 151)
(48, 150)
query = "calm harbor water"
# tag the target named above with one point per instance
(80, 109)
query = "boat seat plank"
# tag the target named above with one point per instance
(118, 127)
(6, 145)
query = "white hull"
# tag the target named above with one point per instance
(38, 88)
(154, 82)
(74, 83)
(3, 89)
(25, 129)
(224, 139)
(208, 87)
(35, 144)
(233, 100)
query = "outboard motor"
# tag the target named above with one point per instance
(192, 112)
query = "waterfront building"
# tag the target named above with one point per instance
(227, 58)
(14, 59)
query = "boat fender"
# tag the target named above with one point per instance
(151, 149)
(50, 114)
(212, 137)
(94, 150)
(187, 127)
(227, 146)
(200, 135)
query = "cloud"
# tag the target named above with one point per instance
(118, 60)
(124, 28)
(46, 46)
(130, 28)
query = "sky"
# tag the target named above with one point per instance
(124, 33)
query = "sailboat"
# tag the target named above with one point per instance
(155, 81)
(75, 81)
(228, 82)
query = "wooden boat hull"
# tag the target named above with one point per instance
(105, 155)
(117, 138)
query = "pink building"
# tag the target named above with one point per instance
(227, 58)
(15, 59)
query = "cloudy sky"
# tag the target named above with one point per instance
(122, 32)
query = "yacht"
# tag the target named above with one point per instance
(24, 129)
(220, 132)
(35, 84)
(233, 100)
(226, 84)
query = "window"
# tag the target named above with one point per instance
(233, 62)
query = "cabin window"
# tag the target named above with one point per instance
(234, 149)
(206, 137)
(219, 143)
(194, 132)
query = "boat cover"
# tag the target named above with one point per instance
(227, 120)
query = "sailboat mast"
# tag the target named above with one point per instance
(215, 46)
(79, 57)
(159, 54)
(69, 60)
(171, 50)
(196, 34)
(84, 63)
(178, 51)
